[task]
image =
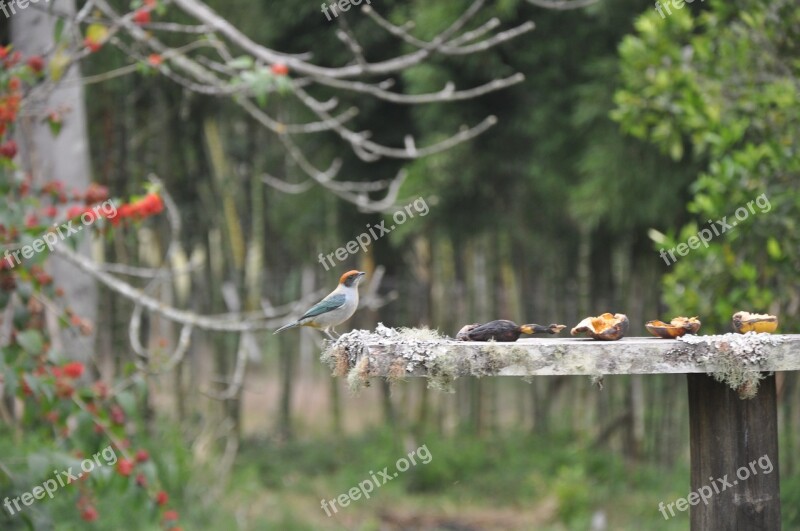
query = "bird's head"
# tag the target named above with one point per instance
(351, 278)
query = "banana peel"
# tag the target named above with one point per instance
(678, 327)
(504, 331)
(605, 327)
(744, 322)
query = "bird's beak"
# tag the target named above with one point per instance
(361, 274)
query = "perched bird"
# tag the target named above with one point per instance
(333, 310)
(503, 330)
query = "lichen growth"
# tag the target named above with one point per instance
(349, 355)
(416, 350)
(737, 359)
(358, 377)
(597, 379)
(419, 334)
(499, 357)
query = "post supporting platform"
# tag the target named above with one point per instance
(734, 446)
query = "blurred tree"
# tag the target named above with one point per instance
(34, 32)
(722, 87)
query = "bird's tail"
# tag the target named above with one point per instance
(284, 327)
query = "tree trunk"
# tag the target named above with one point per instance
(64, 157)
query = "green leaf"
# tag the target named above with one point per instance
(55, 126)
(11, 381)
(774, 249)
(127, 402)
(31, 341)
(59, 29)
(245, 62)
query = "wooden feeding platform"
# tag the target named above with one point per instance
(731, 382)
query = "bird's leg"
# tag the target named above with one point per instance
(330, 336)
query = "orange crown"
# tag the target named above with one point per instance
(348, 275)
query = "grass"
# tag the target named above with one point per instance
(515, 482)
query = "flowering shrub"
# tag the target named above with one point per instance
(58, 402)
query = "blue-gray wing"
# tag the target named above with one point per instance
(325, 305)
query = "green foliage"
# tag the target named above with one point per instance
(790, 511)
(724, 85)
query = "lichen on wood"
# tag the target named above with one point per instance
(738, 359)
(416, 350)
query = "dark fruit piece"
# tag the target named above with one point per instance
(503, 330)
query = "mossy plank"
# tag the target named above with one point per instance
(565, 356)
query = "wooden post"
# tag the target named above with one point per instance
(727, 435)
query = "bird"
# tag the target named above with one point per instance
(333, 310)
(503, 330)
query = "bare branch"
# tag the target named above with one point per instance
(562, 5)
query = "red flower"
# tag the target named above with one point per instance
(50, 211)
(14, 84)
(89, 514)
(142, 456)
(124, 467)
(151, 3)
(74, 369)
(141, 480)
(44, 279)
(8, 149)
(64, 389)
(100, 389)
(74, 211)
(36, 63)
(162, 498)
(171, 515)
(31, 221)
(280, 69)
(155, 60)
(4, 51)
(93, 45)
(95, 194)
(141, 16)
(149, 205)
(53, 187)
(13, 60)
(117, 415)
(93, 216)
